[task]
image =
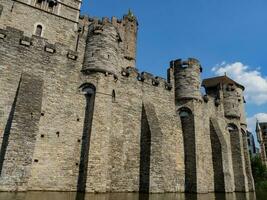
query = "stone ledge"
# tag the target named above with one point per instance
(73, 55)
(15, 37)
(50, 48)
(26, 41)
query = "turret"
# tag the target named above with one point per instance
(127, 28)
(111, 45)
(130, 29)
(187, 79)
(232, 100)
(230, 92)
(102, 52)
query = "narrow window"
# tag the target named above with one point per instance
(39, 30)
(113, 96)
(39, 3)
(51, 5)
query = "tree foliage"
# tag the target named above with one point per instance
(259, 172)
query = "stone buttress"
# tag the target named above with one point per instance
(77, 115)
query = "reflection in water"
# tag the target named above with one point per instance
(129, 196)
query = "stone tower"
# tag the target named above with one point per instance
(187, 79)
(54, 20)
(94, 123)
(130, 34)
(102, 52)
(111, 45)
(189, 103)
(127, 28)
(231, 100)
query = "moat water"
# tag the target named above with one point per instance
(259, 195)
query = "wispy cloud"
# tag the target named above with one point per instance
(252, 79)
(262, 117)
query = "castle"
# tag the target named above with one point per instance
(76, 115)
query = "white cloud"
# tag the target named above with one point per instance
(262, 117)
(254, 82)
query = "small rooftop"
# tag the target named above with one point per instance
(219, 80)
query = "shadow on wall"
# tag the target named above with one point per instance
(145, 153)
(7, 130)
(235, 140)
(188, 127)
(219, 184)
(89, 92)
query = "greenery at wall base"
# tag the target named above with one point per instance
(259, 172)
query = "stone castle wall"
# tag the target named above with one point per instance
(115, 139)
(25, 17)
(58, 113)
(76, 115)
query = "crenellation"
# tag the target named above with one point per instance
(14, 36)
(94, 123)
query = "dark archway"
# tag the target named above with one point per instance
(145, 153)
(188, 127)
(235, 139)
(39, 30)
(89, 92)
(218, 174)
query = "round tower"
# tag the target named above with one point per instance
(232, 100)
(187, 79)
(102, 48)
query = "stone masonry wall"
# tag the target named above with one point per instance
(56, 151)
(20, 133)
(114, 158)
(42, 137)
(116, 127)
(26, 18)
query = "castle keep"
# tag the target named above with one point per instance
(76, 114)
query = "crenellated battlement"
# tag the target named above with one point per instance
(146, 78)
(189, 63)
(135, 123)
(13, 36)
(117, 22)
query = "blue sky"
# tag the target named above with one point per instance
(226, 36)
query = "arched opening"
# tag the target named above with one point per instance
(89, 91)
(188, 127)
(39, 30)
(235, 139)
(217, 160)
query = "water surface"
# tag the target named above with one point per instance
(260, 195)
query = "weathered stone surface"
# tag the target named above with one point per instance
(134, 137)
